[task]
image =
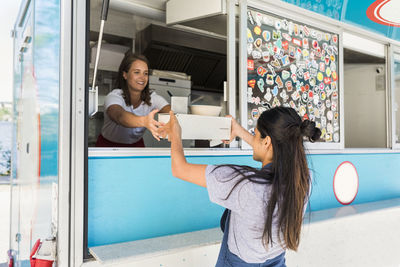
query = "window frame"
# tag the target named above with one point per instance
(367, 45)
(392, 50)
(293, 14)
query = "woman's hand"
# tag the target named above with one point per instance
(175, 128)
(235, 129)
(152, 125)
(172, 128)
(238, 131)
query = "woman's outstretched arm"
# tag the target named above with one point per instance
(238, 131)
(193, 173)
(129, 120)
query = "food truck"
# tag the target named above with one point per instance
(335, 62)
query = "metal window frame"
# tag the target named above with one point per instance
(64, 145)
(389, 93)
(78, 160)
(243, 69)
(388, 105)
(392, 50)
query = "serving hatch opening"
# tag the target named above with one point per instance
(186, 61)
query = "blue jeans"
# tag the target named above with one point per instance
(228, 259)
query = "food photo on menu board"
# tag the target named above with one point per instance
(293, 65)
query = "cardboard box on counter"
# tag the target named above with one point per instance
(197, 127)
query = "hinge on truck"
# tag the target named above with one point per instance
(17, 237)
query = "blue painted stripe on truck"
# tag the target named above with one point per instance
(135, 198)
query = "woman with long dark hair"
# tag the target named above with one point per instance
(130, 108)
(265, 206)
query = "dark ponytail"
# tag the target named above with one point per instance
(288, 176)
(308, 129)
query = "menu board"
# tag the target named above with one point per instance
(294, 65)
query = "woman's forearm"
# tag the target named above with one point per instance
(192, 173)
(124, 118)
(243, 134)
(130, 120)
(178, 159)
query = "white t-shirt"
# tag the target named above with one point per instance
(120, 134)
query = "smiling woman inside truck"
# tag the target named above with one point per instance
(130, 108)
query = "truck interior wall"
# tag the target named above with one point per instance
(365, 105)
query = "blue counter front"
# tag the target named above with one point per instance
(134, 198)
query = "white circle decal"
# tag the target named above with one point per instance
(345, 183)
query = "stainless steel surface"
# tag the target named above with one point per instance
(139, 9)
(201, 57)
(355, 57)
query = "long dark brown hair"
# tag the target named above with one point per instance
(121, 82)
(288, 175)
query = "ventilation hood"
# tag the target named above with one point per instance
(172, 49)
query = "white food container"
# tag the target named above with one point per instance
(179, 104)
(197, 127)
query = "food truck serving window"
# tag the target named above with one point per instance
(295, 65)
(187, 70)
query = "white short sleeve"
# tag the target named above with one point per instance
(114, 98)
(157, 101)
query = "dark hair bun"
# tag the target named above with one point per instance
(308, 129)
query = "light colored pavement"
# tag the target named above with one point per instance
(4, 221)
